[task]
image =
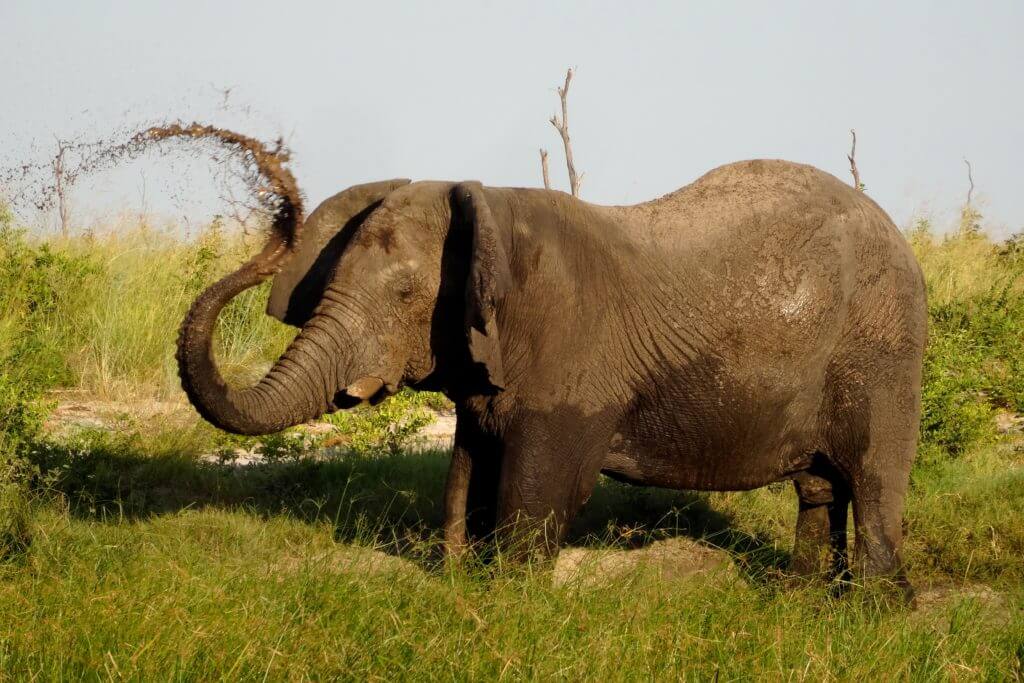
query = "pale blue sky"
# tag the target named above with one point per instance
(663, 92)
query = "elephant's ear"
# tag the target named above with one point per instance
(298, 288)
(488, 281)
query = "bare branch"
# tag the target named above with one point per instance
(970, 218)
(852, 156)
(59, 177)
(970, 179)
(562, 126)
(544, 169)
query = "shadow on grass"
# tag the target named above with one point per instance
(393, 501)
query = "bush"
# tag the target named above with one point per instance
(15, 506)
(30, 363)
(385, 428)
(974, 363)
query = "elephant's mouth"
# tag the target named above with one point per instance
(370, 389)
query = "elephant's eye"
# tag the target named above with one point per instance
(406, 287)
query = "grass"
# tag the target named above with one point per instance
(125, 554)
(162, 567)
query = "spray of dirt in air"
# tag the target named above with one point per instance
(262, 169)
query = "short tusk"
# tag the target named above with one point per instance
(365, 388)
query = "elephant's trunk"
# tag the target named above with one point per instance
(297, 388)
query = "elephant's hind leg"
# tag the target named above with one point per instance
(820, 547)
(874, 446)
(879, 490)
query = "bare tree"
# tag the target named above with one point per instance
(562, 126)
(544, 169)
(62, 181)
(970, 218)
(970, 179)
(852, 156)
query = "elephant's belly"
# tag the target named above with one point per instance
(721, 471)
(715, 441)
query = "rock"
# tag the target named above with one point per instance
(674, 559)
(1007, 422)
(930, 604)
(347, 559)
(440, 433)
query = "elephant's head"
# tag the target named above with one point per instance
(391, 283)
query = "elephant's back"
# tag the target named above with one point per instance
(754, 223)
(741, 196)
(790, 266)
(789, 287)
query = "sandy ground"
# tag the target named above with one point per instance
(77, 410)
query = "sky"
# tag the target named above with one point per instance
(663, 92)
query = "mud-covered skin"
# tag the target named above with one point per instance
(766, 322)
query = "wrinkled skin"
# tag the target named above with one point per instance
(764, 323)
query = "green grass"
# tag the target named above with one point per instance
(159, 566)
(127, 553)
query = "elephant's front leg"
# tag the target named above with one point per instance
(549, 468)
(471, 492)
(456, 491)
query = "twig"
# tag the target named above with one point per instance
(970, 179)
(852, 156)
(562, 126)
(544, 169)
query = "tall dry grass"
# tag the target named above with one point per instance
(117, 323)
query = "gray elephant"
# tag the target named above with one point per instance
(764, 323)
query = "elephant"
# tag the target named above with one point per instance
(764, 323)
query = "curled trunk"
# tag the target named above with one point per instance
(301, 384)
(299, 387)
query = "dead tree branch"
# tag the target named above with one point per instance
(562, 126)
(544, 169)
(970, 179)
(970, 218)
(61, 182)
(852, 156)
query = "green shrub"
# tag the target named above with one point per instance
(37, 287)
(15, 505)
(974, 362)
(385, 428)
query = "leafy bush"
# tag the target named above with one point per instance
(31, 296)
(385, 428)
(15, 505)
(974, 363)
